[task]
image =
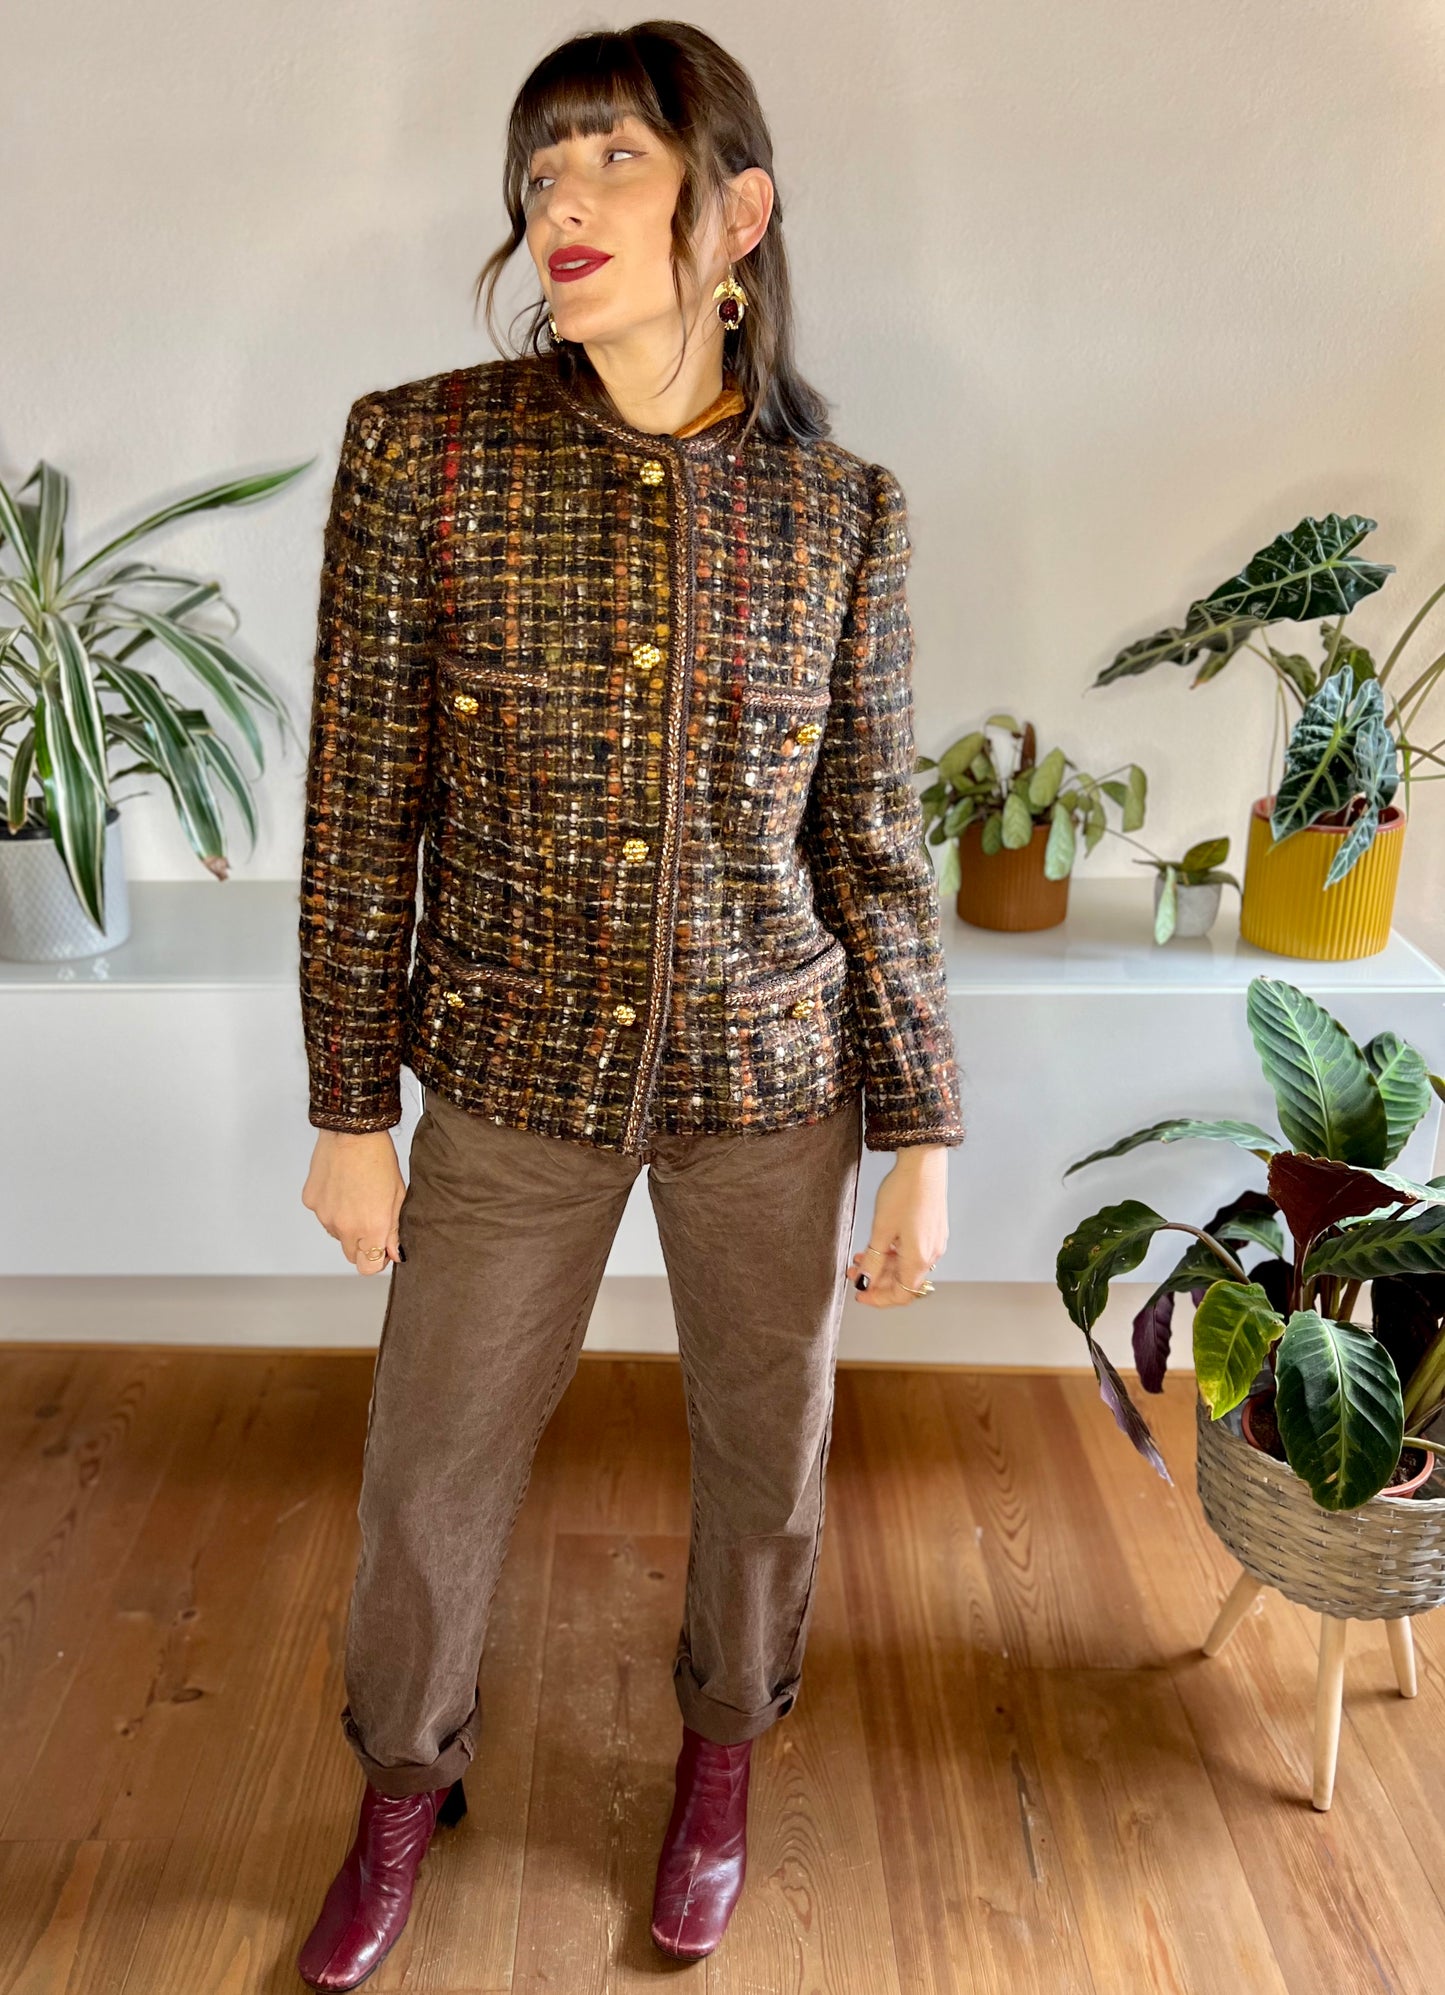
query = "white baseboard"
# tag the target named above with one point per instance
(974, 1323)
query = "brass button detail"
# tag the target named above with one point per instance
(652, 472)
(635, 848)
(454, 999)
(464, 702)
(623, 1013)
(810, 730)
(647, 654)
(803, 1006)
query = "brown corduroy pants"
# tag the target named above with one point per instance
(506, 1235)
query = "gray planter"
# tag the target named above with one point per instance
(1195, 907)
(41, 921)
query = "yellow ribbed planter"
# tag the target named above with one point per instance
(1287, 907)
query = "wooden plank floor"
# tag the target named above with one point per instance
(1010, 1768)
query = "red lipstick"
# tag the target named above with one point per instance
(578, 259)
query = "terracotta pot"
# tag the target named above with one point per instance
(1008, 889)
(1288, 909)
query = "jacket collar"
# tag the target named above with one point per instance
(719, 432)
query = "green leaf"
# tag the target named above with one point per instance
(1386, 1244)
(211, 662)
(1309, 572)
(234, 492)
(991, 837)
(75, 808)
(1167, 911)
(1003, 720)
(1234, 1327)
(1110, 1242)
(1340, 1410)
(1329, 1102)
(1404, 1083)
(1060, 849)
(1205, 856)
(1218, 638)
(1245, 1135)
(957, 762)
(1018, 825)
(1137, 786)
(80, 711)
(1044, 780)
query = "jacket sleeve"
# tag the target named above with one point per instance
(366, 778)
(862, 834)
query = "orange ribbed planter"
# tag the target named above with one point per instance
(1008, 889)
(1287, 908)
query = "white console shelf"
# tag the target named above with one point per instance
(156, 1094)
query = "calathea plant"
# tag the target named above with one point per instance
(1346, 1398)
(72, 645)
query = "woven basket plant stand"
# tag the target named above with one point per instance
(1384, 1561)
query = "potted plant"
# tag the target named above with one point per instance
(72, 646)
(1340, 773)
(1314, 1462)
(1187, 890)
(1349, 1401)
(1311, 896)
(1014, 822)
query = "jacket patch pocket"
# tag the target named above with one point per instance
(490, 711)
(792, 1045)
(780, 729)
(464, 1016)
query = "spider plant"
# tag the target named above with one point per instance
(72, 645)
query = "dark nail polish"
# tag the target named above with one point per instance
(400, 1252)
(862, 1282)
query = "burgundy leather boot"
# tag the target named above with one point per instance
(704, 1852)
(370, 1897)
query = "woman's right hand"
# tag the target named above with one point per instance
(355, 1188)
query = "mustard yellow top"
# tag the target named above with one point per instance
(729, 402)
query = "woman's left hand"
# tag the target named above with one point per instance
(909, 1230)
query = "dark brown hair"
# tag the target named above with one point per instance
(701, 103)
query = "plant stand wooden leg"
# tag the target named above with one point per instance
(1402, 1653)
(1236, 1606)
(1329, 1696)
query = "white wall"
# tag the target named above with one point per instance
(1119, 289)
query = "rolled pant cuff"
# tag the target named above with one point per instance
(724, 1724)
(449, 1765)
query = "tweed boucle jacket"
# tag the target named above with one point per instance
(636, 712)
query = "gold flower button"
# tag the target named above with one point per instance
(464, 702)
(810, 730)
(623, 1013)
(454, 999)
(647, 654)
(635, 848)
(652, 472)
(803, 1006)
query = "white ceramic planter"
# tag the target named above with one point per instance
(1196, 908)
(41, 920)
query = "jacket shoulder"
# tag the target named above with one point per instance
(431, 397)
(867, 487)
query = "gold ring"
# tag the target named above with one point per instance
(927, 1288)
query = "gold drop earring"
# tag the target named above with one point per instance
(555, 334)
(732, 301)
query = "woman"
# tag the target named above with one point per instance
(619, 628)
